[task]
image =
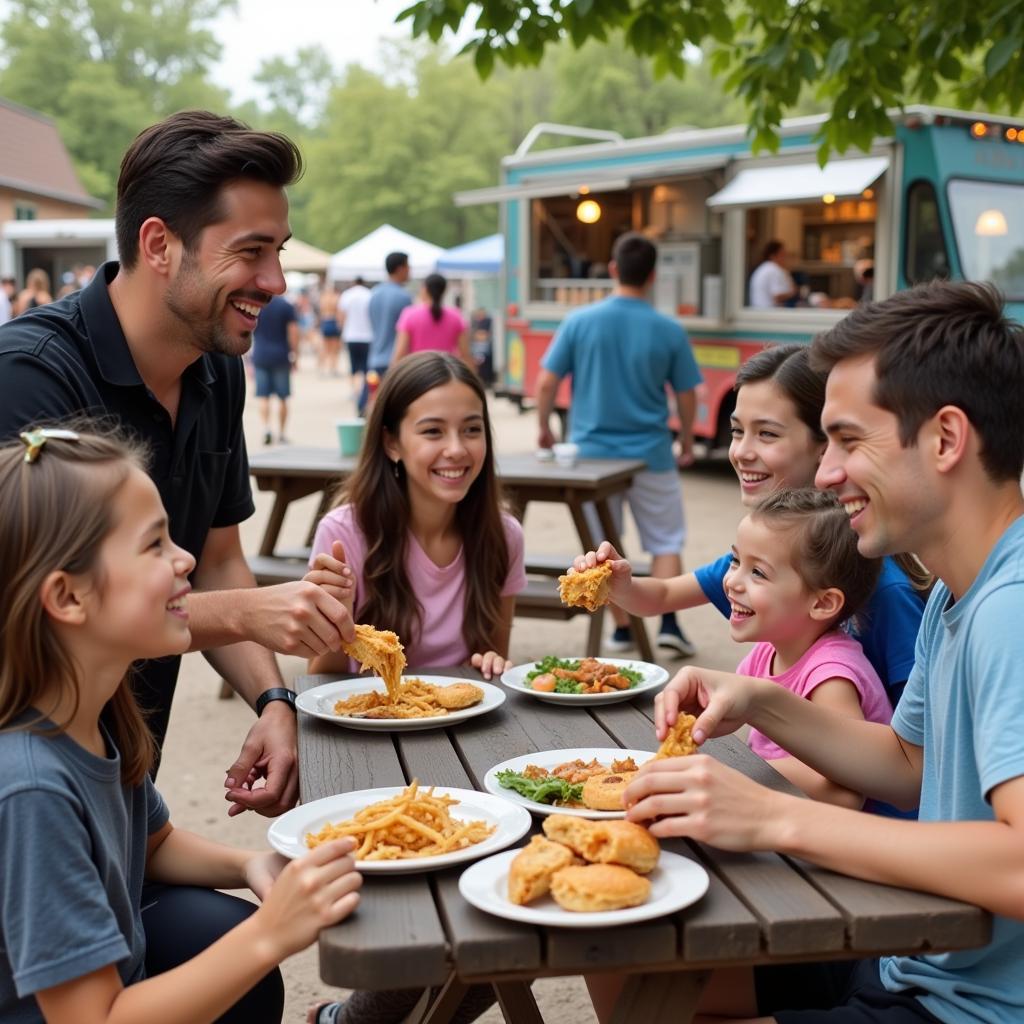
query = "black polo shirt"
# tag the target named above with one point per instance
(70, 358)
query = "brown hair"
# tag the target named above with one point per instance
(942, 343)
(381, 502)
(825, 547)
(175, 170)
(788, 367)
(55, 513)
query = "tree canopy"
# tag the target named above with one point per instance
(859, 58)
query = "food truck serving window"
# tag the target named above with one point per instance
(988, 222)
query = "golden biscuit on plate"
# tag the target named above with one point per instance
(624, 843)
(587, 589)
(529, 875)
(576, 833)
(604, 792)
(596, 887)
(679, 740)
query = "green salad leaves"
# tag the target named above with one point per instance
(550, 663)
(542, 791)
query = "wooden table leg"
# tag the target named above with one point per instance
(276, 520)
(517, 1003)
(443, 1007)
(666, 997)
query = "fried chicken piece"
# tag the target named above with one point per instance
(381, 651)
(679, 741)
(457, 696)
(587, 589)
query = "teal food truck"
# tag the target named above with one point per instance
(942, 197)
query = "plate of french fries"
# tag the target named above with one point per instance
(423, 702)
(403, 830)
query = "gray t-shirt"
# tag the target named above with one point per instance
(387, 300)
(73, 855)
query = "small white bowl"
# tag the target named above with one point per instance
(566, 454)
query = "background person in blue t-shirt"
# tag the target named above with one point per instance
(622, 354)
(275, 343)
(387, 300)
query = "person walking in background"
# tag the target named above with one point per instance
(387, 300)
(275, 348)
(35, 293)
(430, 326)
(356, 330)
(622, 354)
(329, 331)
(771, 284)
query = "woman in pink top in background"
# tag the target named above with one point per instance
(427, 326)
(427, 549)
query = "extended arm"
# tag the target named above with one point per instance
(401, 349)
(547, 385)
(686, 404)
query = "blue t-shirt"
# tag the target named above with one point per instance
(964, 704)
(387, 300)
(621, 353)
(889, 622)
(73, 848)
(270, 339)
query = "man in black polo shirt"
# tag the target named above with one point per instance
(154, 344)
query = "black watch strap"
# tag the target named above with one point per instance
(277, 693)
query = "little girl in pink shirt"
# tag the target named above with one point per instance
(427, 550)
(795, 578)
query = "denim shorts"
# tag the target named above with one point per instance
(273, 380)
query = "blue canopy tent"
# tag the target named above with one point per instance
(482, 257)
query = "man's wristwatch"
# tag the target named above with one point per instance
(277, 693)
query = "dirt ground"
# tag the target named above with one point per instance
(206, 733)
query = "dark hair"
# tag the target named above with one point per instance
(381, 502)
(771, 248)
(55, 514)
(359, 280)
(825, 547)
(634, 256)
(435, 285)
(394, 261)
(175, 170)
(788, 367)
(942, 343)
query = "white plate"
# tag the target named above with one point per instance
(287, 834)
(320, 700)
(654, 677)
(675, 883)
(548, 759)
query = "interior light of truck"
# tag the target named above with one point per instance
(991, 223)
(828, 198)
(1011, 134)
(979, 129)
(589, 211)
(868, 193)
(584, 190)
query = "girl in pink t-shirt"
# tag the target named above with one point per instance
(795, 578)
(427, 326)
(427, 550)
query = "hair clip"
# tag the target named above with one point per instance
(35, 439)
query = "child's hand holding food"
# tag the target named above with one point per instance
(622, 572)
(333, 573)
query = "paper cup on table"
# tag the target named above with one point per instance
(350, 435)
(566, 454)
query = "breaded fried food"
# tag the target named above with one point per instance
(381, 651)
(604, 792)
(624, 843)
(587, 589)
(457, 696)
(595, 887)
(576, 833)
(679, 741)
(529, 875)
(396, 711)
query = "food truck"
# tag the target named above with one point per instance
(942, 197)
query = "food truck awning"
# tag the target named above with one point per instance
(789, 183)
(609, 179)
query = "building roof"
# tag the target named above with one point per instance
(34, 160)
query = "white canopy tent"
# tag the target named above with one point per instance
(365, 258)
(303, 257)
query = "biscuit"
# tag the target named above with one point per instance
(624, 843)
(381, 651)
(679, 740)
(529, 875)
(587, 589)
(596, 887)
(604, 792)
(576, 833)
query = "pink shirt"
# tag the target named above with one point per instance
(428, 334)
(832, 656)
(440, 590)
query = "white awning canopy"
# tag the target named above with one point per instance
(799, 183)
(611, 179)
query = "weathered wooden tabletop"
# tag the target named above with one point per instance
(416, 930)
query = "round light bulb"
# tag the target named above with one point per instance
(589, 211)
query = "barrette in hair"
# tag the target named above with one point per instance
(35, 439)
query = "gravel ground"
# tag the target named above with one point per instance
(206, 733)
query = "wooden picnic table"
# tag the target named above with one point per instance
(761, 908)
(294, 472)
